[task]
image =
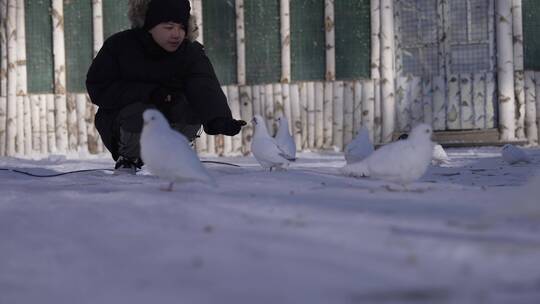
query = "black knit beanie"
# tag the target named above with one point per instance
(160, 11)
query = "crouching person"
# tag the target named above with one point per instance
(156, 64)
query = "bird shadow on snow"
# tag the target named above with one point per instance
(300, 179)
(481, 172)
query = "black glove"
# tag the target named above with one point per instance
(225, 126)
(160, 97)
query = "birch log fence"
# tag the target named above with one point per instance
(323, 114)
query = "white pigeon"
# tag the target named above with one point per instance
(439, 155)
(403, 161)
(264, 147)
(513, 155)
(284, 140)
(360, 148)
(168, 154)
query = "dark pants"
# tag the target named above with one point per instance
(129, 123)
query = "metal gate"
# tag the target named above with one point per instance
(445, 63)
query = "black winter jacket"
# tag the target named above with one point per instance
(130, 66)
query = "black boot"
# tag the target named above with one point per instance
(127, 165)
(129, 150)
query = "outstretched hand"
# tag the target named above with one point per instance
(225, 126)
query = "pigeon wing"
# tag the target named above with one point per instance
(171, 157)
(266, 151)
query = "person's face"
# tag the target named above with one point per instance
(168, 35)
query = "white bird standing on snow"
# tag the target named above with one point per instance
(264, 147)
(513, 155)
(284, 140)
(167, 153)
(439, 155)
(403, 161)
(360, 148)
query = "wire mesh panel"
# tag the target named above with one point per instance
(307, 39)
(219, 19)
(78, 42)
(469, 42)
(353, 37)
(39, 54)
(263, 47)
(115, 17)
(420, 36)
(531, 34)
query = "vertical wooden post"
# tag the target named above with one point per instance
(479, 96)
(403, 103)
(531, 128)
(517, 29)
(286, 94)
(519, 95)
(330, 38)
(328, 114)
(453, 108)
(59, 75)
(427, 100)
(219, 141)
(285, 41)
(387, 70)
(35, 125)
(310, 114)
(368, 107)
(234, 99)
(375, 129)
(23, 103)
(278, 103)
(3, 76)
(519, 77)
(296, 116)
(93, 139)
(319, 118)
(337, 138)
(348, 109)
(27, 124)
(227, 140)
(505, 66)
(43, 148)
(198, 13)
(73, 128)
(240, 42)
(303, 94)
(82, 136)
(11, 127)
(466, 101)
(537, 89)
(357, 107)
(257, 100)
(97, 25)
(417, 109)
(439, 103)
(51, 124)
(246, 113)
(491, 100)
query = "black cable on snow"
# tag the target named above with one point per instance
(219, 163)
(92, 170)
(53, 175)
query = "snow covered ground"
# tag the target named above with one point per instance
(469, 232)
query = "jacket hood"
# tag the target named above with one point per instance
(137, 12)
